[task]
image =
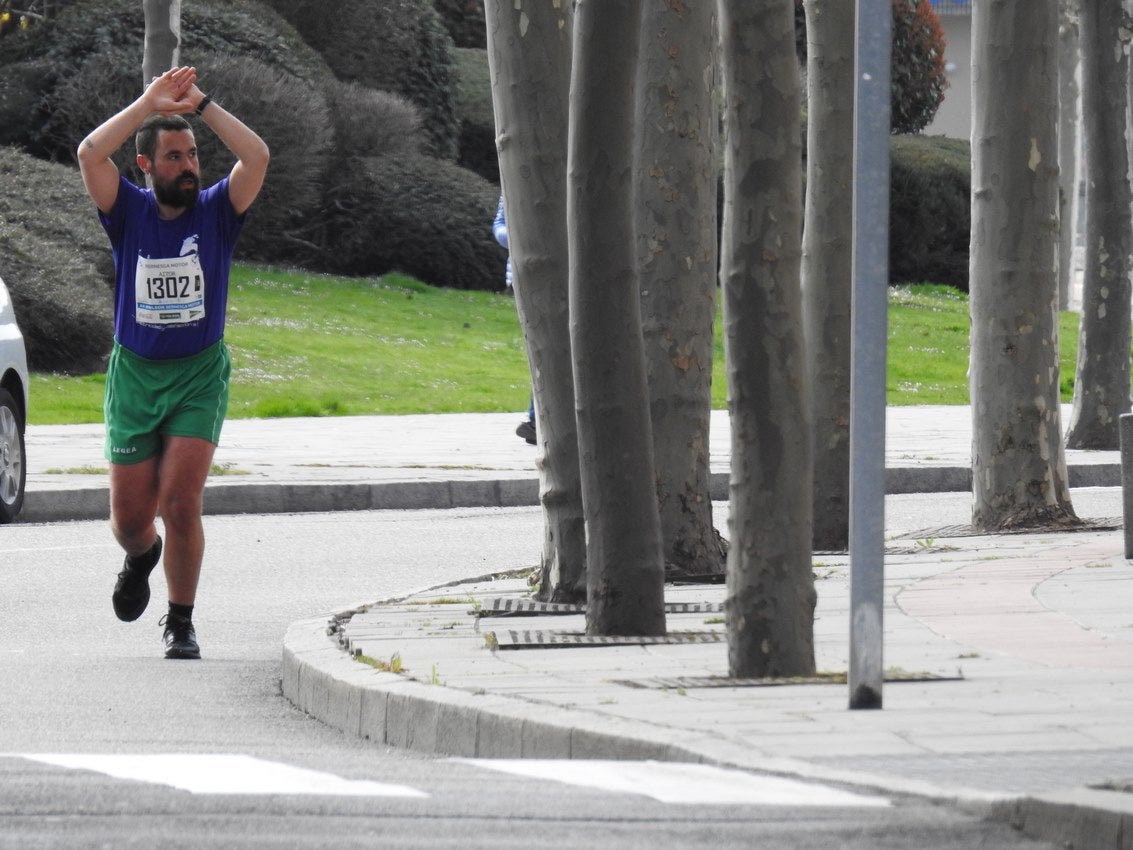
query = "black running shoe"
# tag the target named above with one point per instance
(180, 637)
(131, 592)
(526, 429)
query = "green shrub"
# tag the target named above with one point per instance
(929, 210)
(464, 20)
(52, 56)
(415, 214)
(368, 122)
(105, 82)
(397, 45)
(918, 66)
(55, 259)
(477, 119)
(294, 120)
(23, 86)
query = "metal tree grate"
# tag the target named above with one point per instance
(540, 639)
(1099, 524)
(691, 682)
(531, 608)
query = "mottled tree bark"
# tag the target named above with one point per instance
(1069, 143)
(771, 596)
(827, 261)
(529, 55)
(625, 567)
(1018, 464)
(676, 236)
(1101, 383)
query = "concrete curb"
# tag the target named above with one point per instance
(322, 680)
(94, 503)
(284, 498)
(1082, 818)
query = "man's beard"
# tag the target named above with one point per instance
(173, 194)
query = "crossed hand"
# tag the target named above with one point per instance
(175, 92)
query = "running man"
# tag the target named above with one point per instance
(167, 379)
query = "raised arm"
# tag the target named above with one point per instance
(166, 94)
(251, 151)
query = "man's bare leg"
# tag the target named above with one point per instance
(133, 506)
(184, 468)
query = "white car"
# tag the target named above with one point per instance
(13, 410)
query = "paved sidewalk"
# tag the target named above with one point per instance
(455, 460)
(1014, 652)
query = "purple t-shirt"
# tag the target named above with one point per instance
(171, 277)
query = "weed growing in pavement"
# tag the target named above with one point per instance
(392, 666)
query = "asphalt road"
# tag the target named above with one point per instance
(104, 743)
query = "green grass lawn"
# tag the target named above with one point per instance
(313, 345)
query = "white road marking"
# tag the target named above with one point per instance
(677, 782)
(223, 774)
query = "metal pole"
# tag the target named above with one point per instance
(868, 341)
(1125, 436)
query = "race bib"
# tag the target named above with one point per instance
(170, 291)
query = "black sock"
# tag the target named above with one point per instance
(185, 612)
(148, 559)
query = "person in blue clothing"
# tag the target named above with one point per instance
(167, 379)
(526, 428)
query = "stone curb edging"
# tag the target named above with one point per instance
(225, 499)
(326, 683)
(321, 680)
(93, 503)
(392, 709)
(1082, 818)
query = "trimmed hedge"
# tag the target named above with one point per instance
(415, 214)
(50, 59)
(930, 210)
(368, 122)
(56, 261)
(464, 20)
(294, 120)
(477, 119)
(396, 45)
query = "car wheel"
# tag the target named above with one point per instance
(13, 470)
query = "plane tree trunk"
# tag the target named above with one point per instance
(1101, 383)
(676, 236)
(625, 567)
(827, 260)
(529, 57)
(770, 600)
(1018, 463)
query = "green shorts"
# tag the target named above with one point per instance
(147, 400)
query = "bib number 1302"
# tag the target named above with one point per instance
(169, 291)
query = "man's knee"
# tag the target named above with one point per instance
(133, 499)
(180, 508)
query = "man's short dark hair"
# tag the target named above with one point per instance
(146, 139)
